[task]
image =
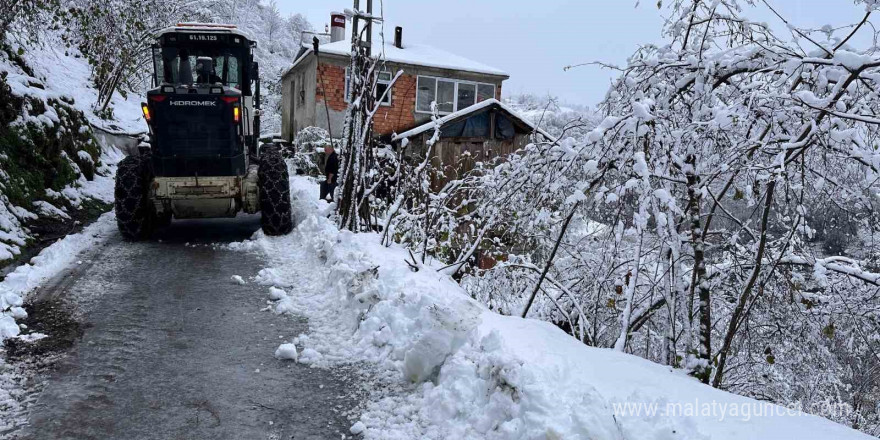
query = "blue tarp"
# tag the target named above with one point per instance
(477, 126)
(504, 128)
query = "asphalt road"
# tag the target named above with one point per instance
(172, 348)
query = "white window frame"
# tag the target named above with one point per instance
(390, 88)
(347, 79)
(455, 108)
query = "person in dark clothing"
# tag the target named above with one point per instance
(331, 171)
(205, 70)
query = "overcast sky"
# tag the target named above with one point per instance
(534, 40)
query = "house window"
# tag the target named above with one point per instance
(485, 91)
(450, 95)
(382, 84)
(467, 95)
(426, 94)
(445, 96)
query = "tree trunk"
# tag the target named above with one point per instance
(703, 369)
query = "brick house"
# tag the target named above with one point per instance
(314, 87)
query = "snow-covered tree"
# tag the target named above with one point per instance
(693, 224)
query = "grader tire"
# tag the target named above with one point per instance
(134, 212)
(274, 186)
(163, 220)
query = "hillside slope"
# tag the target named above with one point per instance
(54, 171)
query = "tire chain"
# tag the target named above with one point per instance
(274, 185)
(134, 214)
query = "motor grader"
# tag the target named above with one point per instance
(203, 158)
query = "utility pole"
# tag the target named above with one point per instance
(370, 28)
(354, 20)
(357, 134)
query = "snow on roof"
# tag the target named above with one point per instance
(414, 54)
(472, 109)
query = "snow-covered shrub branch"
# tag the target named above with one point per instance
(361, 172)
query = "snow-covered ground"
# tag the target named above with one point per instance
(61, 254)
(50, 262)
(63, 73)
(469, 373)
(59, 75)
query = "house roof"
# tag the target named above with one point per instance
(468, 111)
(412, 54)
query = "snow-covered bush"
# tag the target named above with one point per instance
(311, 139)
(25, 20)
(556, 118)
(682, 226)
(307, 149)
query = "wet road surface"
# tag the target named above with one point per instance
(172, 348)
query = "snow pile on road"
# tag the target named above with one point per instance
(286, 351)
(50, 262)
(470, 373)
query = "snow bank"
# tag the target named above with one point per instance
(286, 351)
(49, 262)
(473, 374)
(13, 232)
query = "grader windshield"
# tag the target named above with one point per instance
(199, 65)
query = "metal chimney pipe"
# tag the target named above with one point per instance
(337, 27)
(398, 37)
